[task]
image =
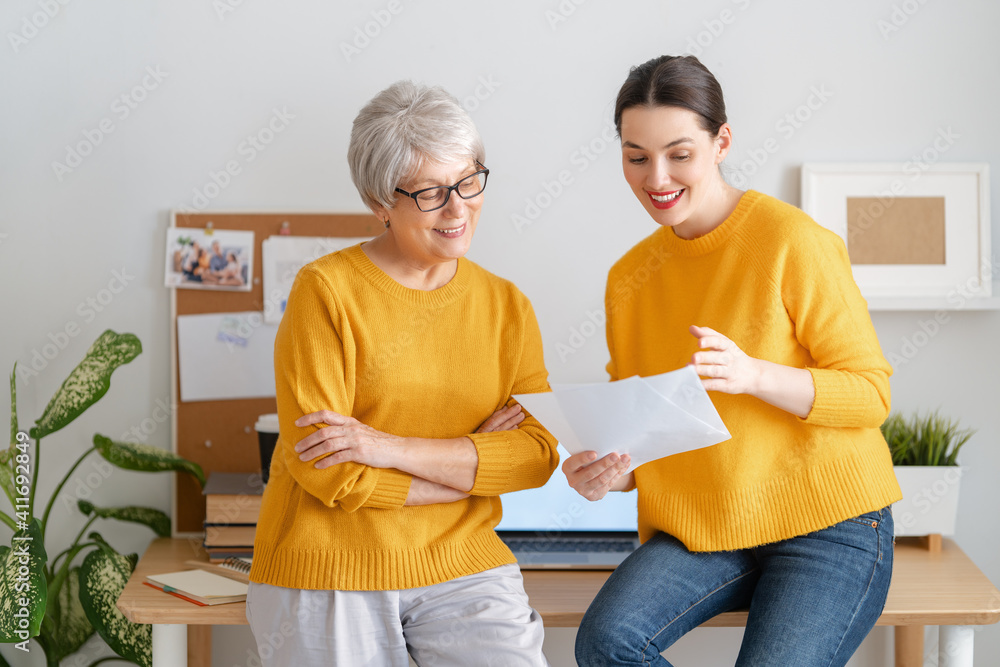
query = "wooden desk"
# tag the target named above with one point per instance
(928, 587)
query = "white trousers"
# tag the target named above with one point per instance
(477, 620)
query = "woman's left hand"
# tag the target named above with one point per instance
(504, 419)
(345, 439)
(722, 365)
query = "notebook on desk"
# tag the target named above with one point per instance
(199, 586)
(554, 527)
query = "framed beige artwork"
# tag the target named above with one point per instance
(911, 229)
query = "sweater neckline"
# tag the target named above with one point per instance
(715, 238)
(381, 280)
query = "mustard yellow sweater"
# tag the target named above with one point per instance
(780, 287)
(432, 364)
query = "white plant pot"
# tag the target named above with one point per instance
(930, 500)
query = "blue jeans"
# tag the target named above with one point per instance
(812, 598)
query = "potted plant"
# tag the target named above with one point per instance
(59, 602)
(925, 458)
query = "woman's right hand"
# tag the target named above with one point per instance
(593, 478)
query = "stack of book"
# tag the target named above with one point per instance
(232, 507)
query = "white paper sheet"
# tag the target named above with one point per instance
(646, 418)
(225, 355)
(284, 256)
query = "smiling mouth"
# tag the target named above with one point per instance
(452, 232)
(665, 199)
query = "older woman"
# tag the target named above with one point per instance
(395, 364)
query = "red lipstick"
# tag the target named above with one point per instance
(665, 200)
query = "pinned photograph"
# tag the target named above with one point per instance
(209, 259)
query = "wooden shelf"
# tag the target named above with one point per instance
(918, 303)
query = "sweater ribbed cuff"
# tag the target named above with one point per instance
(495, 458)
(837, 401)
(391, 489)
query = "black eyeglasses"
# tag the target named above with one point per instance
(431, 199)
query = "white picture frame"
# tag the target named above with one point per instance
(967, 266)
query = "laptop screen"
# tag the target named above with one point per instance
(556, 507)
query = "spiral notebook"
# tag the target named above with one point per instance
(237, 569)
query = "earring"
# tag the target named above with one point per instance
(386, 221)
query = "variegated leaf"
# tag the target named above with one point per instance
(95, 536)
(103, 575)
(72, 629)
(13, 406)
(7, 479)
(7, 455)
(153, 518)
(22, 580)
(88, 382)
(134, 456)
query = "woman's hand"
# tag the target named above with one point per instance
(722, 365)
(592, 479)
(504, 419)
(725, 367)
(346, 439)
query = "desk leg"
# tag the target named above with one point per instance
(955, 645)
(169, 645)
(199, 648)
(909, 643)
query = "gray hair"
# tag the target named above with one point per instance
(398, 130)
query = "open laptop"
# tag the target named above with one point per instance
(554, 527)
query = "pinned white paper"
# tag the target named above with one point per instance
(646, 418)
(284, 256)
(225, 356)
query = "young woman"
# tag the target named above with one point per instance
(395, 363)
(790, 517)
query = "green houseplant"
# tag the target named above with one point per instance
(62, 601)
(925, 452)
(931, 440)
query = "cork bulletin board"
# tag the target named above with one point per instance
(219, 434)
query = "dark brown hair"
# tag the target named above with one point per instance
(674, 81)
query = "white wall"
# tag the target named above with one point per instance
(892, 76)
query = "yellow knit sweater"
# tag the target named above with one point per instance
(780, 287)
(432, 364)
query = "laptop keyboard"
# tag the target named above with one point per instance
(581, 544)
